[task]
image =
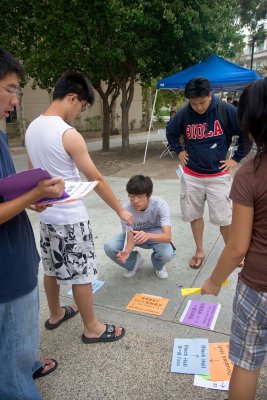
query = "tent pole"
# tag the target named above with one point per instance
(150, 124)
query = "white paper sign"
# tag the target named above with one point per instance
(207, 383)
(75, 190)
(179, 171)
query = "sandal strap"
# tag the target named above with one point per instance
(110, 328)
(68, 310)
(109, 332)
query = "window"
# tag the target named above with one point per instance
(261, 45)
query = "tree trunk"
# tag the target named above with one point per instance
(112, 90)
(106, 125)
(127, 92)
(114, 120)
(22, 124)
(124, 121)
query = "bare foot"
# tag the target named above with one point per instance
(48, 365)
(196, 261)
(56, 318)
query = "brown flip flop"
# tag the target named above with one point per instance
(198, 261)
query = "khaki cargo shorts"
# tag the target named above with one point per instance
(196, 191)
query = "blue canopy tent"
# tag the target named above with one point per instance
(222, 74)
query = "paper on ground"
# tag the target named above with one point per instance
(207, 383)
(147, 303)
(200, 314)
(190, 356)
(221, 366)
(96, 285)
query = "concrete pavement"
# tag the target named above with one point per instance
(138, 366)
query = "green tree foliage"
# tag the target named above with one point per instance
(252, 11)
(117, 41)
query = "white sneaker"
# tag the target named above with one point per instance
(138, 264)
(162, 273)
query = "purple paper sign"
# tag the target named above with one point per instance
(16, 185)
(200, 314)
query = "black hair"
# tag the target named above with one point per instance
(235, 103)
(252, 115)
(197, 87)
(9, 65)
(140, 184)
(74, 82)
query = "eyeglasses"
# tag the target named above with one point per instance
(84, 108)
(13, 91)
(137, 196)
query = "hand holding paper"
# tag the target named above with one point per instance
(189, 291)
(73, 191)
(16, 185)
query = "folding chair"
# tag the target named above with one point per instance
(167, 149)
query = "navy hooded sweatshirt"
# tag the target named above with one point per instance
(206, 141)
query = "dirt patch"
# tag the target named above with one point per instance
(115, 160)
(117, 163)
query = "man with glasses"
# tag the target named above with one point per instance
(67, 246)
(19, 312)
(151, 230)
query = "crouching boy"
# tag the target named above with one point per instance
(151, 230)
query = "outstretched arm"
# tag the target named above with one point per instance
(75, 146)
(123, 255)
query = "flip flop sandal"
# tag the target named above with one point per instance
(69, 313)
(39, 372)
(197, 260)
(107, 336)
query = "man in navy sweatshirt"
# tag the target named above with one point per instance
(204, 160)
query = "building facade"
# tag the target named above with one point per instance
(35, 101)
(255, 53)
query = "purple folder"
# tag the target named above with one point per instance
(15, 185)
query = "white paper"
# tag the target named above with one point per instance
(206, 383)
(75, 190)
(179, 171)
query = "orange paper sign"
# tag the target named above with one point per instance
(221, 366)
(147, 304)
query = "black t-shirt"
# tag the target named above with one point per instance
(19, 258)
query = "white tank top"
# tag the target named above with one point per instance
(43, 140)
